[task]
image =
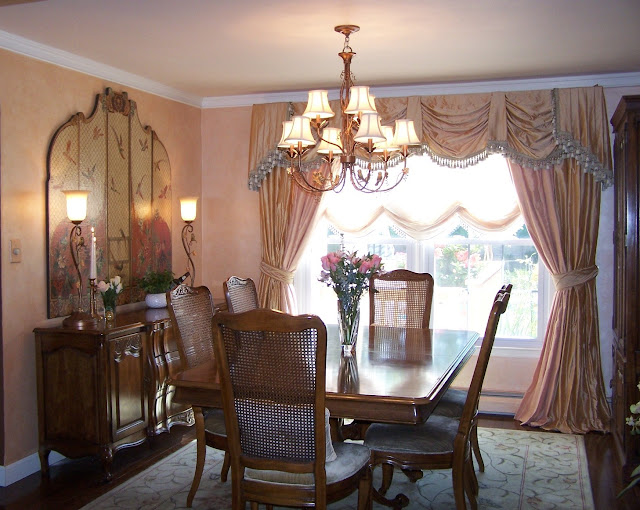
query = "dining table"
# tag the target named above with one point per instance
(394, 375)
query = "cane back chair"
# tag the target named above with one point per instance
(441, 442)
(240, 294)
(272, 372)
(191, 310)
(400, 298)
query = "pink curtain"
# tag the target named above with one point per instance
(561, 207)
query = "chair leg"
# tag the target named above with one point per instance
(201, 448)
(364, 491)
(387, 477)
(471, 484)
(458, 488)
(476, 447)
(226, 464)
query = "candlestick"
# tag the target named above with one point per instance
(93, 273)
(92, 299)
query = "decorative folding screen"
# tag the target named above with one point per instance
(127, 170)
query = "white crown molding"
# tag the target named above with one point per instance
(61, 58)
(46, 53)
(604, 80)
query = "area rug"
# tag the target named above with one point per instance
(524, 470)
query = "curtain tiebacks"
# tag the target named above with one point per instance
(276, 273)
(574, 278)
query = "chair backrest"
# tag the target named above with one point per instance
(240, 294)
(473, 395)
(400, 298)
(191, 310)
(272, 371)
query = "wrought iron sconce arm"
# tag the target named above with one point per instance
(188, 238)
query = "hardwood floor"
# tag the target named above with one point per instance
(73, 484)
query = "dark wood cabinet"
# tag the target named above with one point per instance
(106, 389)
(626, 306)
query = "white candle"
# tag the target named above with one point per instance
(92, 268)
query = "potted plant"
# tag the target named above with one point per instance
(156, 284)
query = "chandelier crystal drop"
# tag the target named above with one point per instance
(365, 148)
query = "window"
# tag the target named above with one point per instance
(468, 264)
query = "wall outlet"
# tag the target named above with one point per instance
(15, 246)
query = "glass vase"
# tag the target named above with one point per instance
(110, 314)
(348, 322)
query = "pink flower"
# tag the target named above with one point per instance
(376, 261)
(365, 266)
(325, 262)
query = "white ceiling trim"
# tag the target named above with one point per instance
(604, 80)
(62, 58)
(74, 62)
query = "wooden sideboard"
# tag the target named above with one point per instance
(106, 389)
(626, 296)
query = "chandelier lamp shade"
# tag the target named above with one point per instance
(364, 148)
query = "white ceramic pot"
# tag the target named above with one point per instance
(156, 300)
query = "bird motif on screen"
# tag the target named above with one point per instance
(163, 193)
(144, 144)
(113, 186)
(119, 142)
(97, 132)
(89, 173)
(139, 187)
(67, 153)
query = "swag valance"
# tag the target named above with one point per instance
(536, 129)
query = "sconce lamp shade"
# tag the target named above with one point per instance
(318, 105)
(188, 208)
(76, 204)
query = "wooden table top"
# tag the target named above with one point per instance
(396, 376)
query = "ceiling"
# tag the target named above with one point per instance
(209, 49)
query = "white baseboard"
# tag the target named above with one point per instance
(25, 467)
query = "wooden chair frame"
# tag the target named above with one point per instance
(255, 491)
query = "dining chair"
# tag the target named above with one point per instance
(452, 404)
(272, 372)
(240, 294)
(400, 298)
(441, 442)
(191, 310)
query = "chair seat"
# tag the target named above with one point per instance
(214, 421)
(351, 457)
(451, 403)
(436, 435)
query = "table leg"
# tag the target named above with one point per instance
(201, 445)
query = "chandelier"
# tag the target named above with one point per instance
(366, 149)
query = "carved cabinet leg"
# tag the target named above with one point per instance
(44, 461)
(106, 456)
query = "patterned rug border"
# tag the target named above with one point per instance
(173, 492)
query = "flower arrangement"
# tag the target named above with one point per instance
(634, 423)
(349, 275)
(110, 292)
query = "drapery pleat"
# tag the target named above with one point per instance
(561, 207)
(287, 215)
(561, 133)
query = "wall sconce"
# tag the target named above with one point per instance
(188, 214)
(77, 212)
